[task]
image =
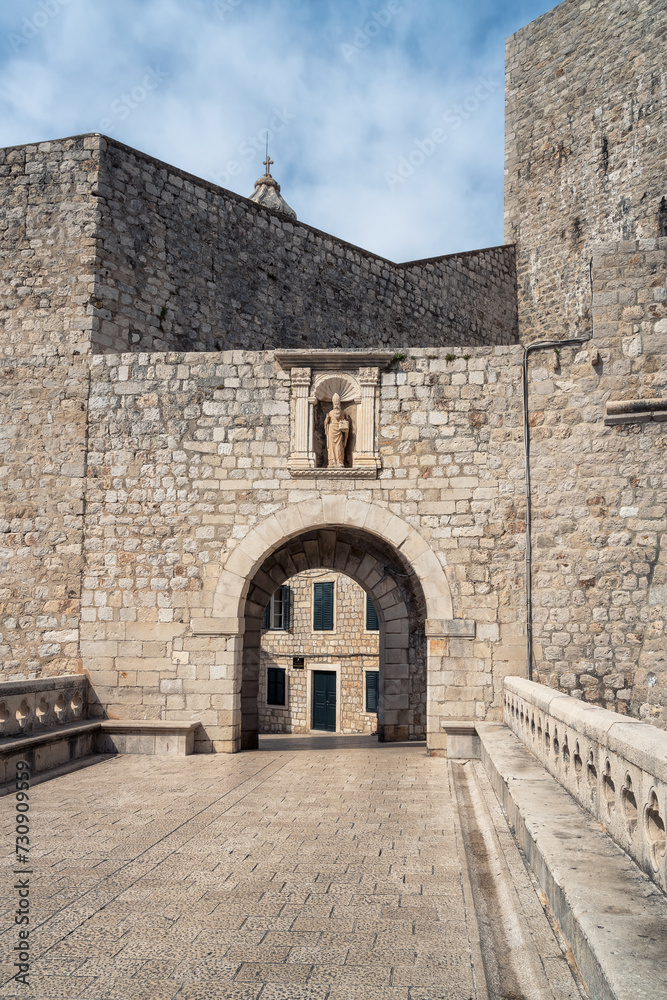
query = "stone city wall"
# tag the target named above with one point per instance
(600, 494)
(43, 426)
(189, 452)
(186, 453)
(105, 247)
(185, 265)
(586, 100)
(350, 648)
(49, 222)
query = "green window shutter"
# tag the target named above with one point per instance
(372, 623)
(372, 685)
(287, 607)
(265, 616)
(275, 686)
(323, 594)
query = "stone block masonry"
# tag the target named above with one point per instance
(160, 260)
(49, 222)
(586, 112)
(145, 436)
(600, 494)
(189, 452)
(43, 429)
(349, 648)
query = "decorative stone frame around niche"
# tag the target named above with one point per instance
(315, 377)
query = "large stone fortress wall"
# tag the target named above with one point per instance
(155, 259)
(186, 265)
(599, 493)
(49, 222)
(188, 454)
(585, 120)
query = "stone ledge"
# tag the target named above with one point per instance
(78, 740)
(9, 688)
(324, 473)
(36, 778)
(146, 725)
(50, 749)
(612, 916)
(333, 359)
(635, 411)
(17, 743)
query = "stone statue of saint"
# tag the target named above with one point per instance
(337, 429)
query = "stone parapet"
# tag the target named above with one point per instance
(613, 766)
(33, 706)
(59, 746)
(613, 918)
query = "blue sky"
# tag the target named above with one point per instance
(385, 118)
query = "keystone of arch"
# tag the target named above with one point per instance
(330, 511)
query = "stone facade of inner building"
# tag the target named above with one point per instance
(299, 640)
(170, 355)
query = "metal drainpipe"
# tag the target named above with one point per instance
(542, 345)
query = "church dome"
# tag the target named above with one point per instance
(267, 193)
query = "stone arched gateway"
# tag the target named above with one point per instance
(388, 558)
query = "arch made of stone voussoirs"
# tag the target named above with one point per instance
(326, 512)
(400, 605)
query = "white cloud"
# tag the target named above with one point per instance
(354, 91)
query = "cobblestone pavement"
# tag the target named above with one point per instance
(317, 874)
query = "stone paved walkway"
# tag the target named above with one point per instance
(311, 873)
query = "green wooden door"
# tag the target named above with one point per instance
(324, 700)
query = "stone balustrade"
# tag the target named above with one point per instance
(31, 707)
(615, 767)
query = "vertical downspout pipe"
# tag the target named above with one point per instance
(542, 345)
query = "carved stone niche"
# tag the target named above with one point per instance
(322, 434)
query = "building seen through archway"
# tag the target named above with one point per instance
(319, 657)
(334, 640)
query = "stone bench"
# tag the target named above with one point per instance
(76, 743)
(462, 739)
(153, 737)
(48, 749)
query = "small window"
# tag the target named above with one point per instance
(323, 612)
(275, 686)
(372, 687)
(277, 612)
(372, 624)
